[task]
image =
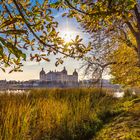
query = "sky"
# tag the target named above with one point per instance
(31, 69)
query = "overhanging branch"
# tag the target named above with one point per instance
(35, 35)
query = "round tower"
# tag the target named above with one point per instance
(42, 75)
(64, 71)
(75, 73)
(75, 76)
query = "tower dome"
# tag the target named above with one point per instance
(42, 72)
(75, 73)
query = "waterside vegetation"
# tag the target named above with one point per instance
(72, 114)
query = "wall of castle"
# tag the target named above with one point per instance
(57, 77)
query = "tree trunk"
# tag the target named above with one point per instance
(101, 83)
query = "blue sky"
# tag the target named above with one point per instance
(31, 69)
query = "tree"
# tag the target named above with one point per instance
(119, 21)
(125, 71)
(96, 61)
(114, 17)
(26, 25)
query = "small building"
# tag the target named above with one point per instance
(3, 83)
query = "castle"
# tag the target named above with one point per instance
(59, 77)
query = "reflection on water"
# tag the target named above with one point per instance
(119, 94)
(14, 91)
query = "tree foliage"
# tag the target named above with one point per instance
(125, 71)
(28, 27)
(119, 23)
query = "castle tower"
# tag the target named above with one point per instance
(64, 71)
(42, 75)
(75, 76)
(64, 75)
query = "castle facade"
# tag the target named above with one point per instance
(59, 77)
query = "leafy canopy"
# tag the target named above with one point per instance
(118, 21)
(125, 72)
(30, 28)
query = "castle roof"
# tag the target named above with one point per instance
(64, 71)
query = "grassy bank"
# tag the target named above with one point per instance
(57, 114)
(125, 126)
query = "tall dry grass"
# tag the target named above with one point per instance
(54, 114)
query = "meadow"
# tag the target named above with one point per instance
(59, 114)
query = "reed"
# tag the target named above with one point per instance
(54, 114)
